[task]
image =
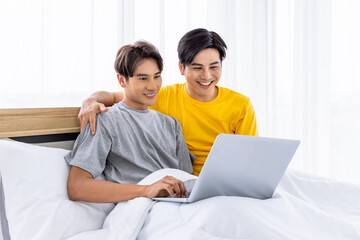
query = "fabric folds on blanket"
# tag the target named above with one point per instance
(127, 218)
(303, 207)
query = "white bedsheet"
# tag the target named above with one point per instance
(303, 207)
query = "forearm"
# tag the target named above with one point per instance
(106, 98)
(91, 190)
(82, 187)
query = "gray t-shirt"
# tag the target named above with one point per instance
(129, 144)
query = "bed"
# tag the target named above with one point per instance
(34, 202)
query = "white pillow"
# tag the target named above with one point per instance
(36, 202)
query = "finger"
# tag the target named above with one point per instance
(176, 185)
(176, 189)
(103, 108)
(169, 189)
(183, 189)
(93, 125)
(82, 123)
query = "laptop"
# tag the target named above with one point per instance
(244, 166)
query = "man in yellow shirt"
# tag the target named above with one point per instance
(203, 109)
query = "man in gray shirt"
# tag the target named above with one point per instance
(132, 141)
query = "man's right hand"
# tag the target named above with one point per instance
(167, 186)
(90, 107)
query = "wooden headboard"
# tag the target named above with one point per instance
(22, 122)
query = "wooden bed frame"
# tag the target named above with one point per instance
(23, 122)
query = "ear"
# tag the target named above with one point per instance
(121, 80)
(181, 68)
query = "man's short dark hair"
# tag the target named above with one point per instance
(130, 56)
(195, 41)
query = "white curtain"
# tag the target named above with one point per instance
(298, 61)
(317, 87)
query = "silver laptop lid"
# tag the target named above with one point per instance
(245, 166)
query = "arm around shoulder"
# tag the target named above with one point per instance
(94, 104)
(106, 98)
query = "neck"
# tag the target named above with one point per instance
(134, 105)
(202, 98)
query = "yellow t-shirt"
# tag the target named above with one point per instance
(230, 112)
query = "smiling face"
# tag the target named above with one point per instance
(141, 89)
(202, 74)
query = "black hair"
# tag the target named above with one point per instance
(196, 40)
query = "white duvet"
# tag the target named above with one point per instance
(303, 207)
